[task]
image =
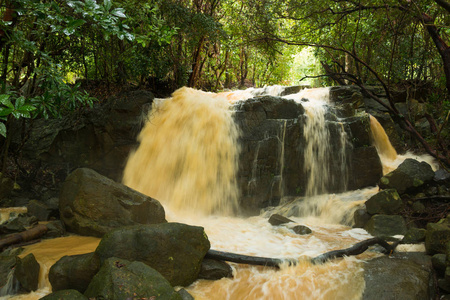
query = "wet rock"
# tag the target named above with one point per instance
(360, 131)
(438, 235)
(277, 219)
(414, 236)
(361, 217)
(173, 249)
(439, 263)
(301, 229)
(100, 139)
(269, 124)
(91, 204)
(386, 225)
(41, 211)
(121, 279)
(18, 224)
(26, 272)
(185, 294)
(409, 175)
(7, 263)
(401, 276)
(55, 229)
(74, 272)
(65, 295)
(212, 269)
(366, 169)
(442, 176)
(387, 202)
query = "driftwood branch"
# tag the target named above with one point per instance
(276, 262)
(356, 249)
(24, 236)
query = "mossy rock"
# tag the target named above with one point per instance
(438, 235)
(175, 250)
(409, 175)
(65, 295)
(387, 202)
(120, 279)
(386, 225)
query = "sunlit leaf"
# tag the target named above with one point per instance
(3, 129)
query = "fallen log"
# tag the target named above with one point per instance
(356, 249)
(23, 236)
(249, 260)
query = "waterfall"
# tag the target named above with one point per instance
(388, 155)
(187, 157)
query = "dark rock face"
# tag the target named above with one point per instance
(100, 139)
(65, 295)
(386, 225)
(27, 272)
(91, 204)
(386, 202)
(271, 162)
(214, 269)
(74, 272)
(277, 219)
(404, 276)
(409, 175)
(174, 250)
(437, 236)
(121, 279)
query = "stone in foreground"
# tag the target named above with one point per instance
(120, 279)
(91, 204)
(175, 250)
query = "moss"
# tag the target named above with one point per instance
(384, 180)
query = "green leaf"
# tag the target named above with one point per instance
(20, 102)
(5, 111)
(4, 99)
(119, 12)
(107, 4)
(76, 23)
(16, 114)
(3, 129)
(27, 108)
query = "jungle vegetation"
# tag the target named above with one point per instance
(51, 49)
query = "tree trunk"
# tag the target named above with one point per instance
(441, 45)
(356, 249)
(24, 236)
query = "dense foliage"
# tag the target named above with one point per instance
(47, 48)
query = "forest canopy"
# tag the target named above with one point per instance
(48, 49)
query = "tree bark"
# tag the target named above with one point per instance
(441, 45)
(24, 236)
(356, 249)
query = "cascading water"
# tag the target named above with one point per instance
(172, 162)
(187, 156)
(187, 159)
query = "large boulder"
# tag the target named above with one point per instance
(91, 204)
(7, 263)
(120, 279)
(401, 276)
(386, 225)
(175, 250)
(65, 295)
(74, 272)
(409, 175)
(26, 272)
(437, 236)
(386, 202)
